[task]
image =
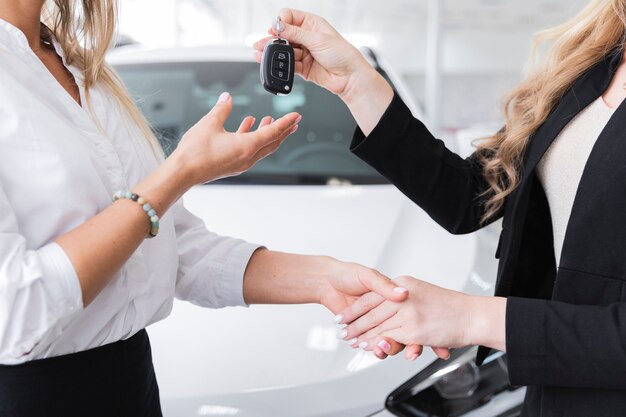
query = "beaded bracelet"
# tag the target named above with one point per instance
(152, 215)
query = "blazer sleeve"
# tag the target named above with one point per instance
(552, 343)
(442, 183)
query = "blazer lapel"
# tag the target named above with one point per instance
(587, 89)
(596, 212)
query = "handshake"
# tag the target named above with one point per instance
(409, 314)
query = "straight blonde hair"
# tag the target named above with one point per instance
(574, 47)
(86, 29)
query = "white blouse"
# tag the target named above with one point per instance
(57, 170)
(561, 168)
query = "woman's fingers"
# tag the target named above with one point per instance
(273, 147)
(258, 56)
(294, 16)
(273, 132)
(297, 35)
(387, 346)
(220, 113)
(259, 45)
(382, 285)
(369, 321)
(298, 54)
(306, 20)
(246, 125)
(361, 306)
(412, 352)
(442, 353)
(266, 121)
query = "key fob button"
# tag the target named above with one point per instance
(280, 74)
(281, 65)
(281, 56)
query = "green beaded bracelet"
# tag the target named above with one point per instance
(152, 215)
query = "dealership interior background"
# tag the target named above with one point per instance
(474, 50)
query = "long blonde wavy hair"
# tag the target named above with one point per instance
(574, 47)
(86, 30)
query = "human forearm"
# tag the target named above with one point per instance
(281, 278)
(368, 96)
(442, 183)
(487, 322)
(99, 247)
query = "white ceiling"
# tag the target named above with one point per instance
(480, 35)
(406, 16)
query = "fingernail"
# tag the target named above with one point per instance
(295, 129)
(414, 357)
(224, 97)
(338, 318)
(299, 119)
(384, 345)
(253, 120)
(352, 341)
(341, 334)
(363, 345)
(400, 290)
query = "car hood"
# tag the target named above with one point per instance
(202, 353)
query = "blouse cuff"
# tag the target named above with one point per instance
(216, 281)
(61, 279)
(380, 142)
(230, 293)
(525, 339)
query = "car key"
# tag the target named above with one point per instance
(278, 64)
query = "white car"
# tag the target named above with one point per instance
(311, 197)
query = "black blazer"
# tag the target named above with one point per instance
(565, 328)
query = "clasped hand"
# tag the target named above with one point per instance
(430, 316)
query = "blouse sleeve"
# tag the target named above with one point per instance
(211, 267)
(38, 288)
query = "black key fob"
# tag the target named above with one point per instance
(278, 67)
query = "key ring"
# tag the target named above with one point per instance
(279, 26)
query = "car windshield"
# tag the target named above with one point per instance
(174, 96)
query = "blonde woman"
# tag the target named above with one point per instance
(556, 174)
(79, 281)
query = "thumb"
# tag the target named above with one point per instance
(220, 113)
(297, 35)
(385, 287)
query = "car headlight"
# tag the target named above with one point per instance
(457, 387)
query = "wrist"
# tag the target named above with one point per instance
(282, 278)
(366, 84)
(164, 186)
(328, 268)
(182, 169)
(487, 317)
(368, 95)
